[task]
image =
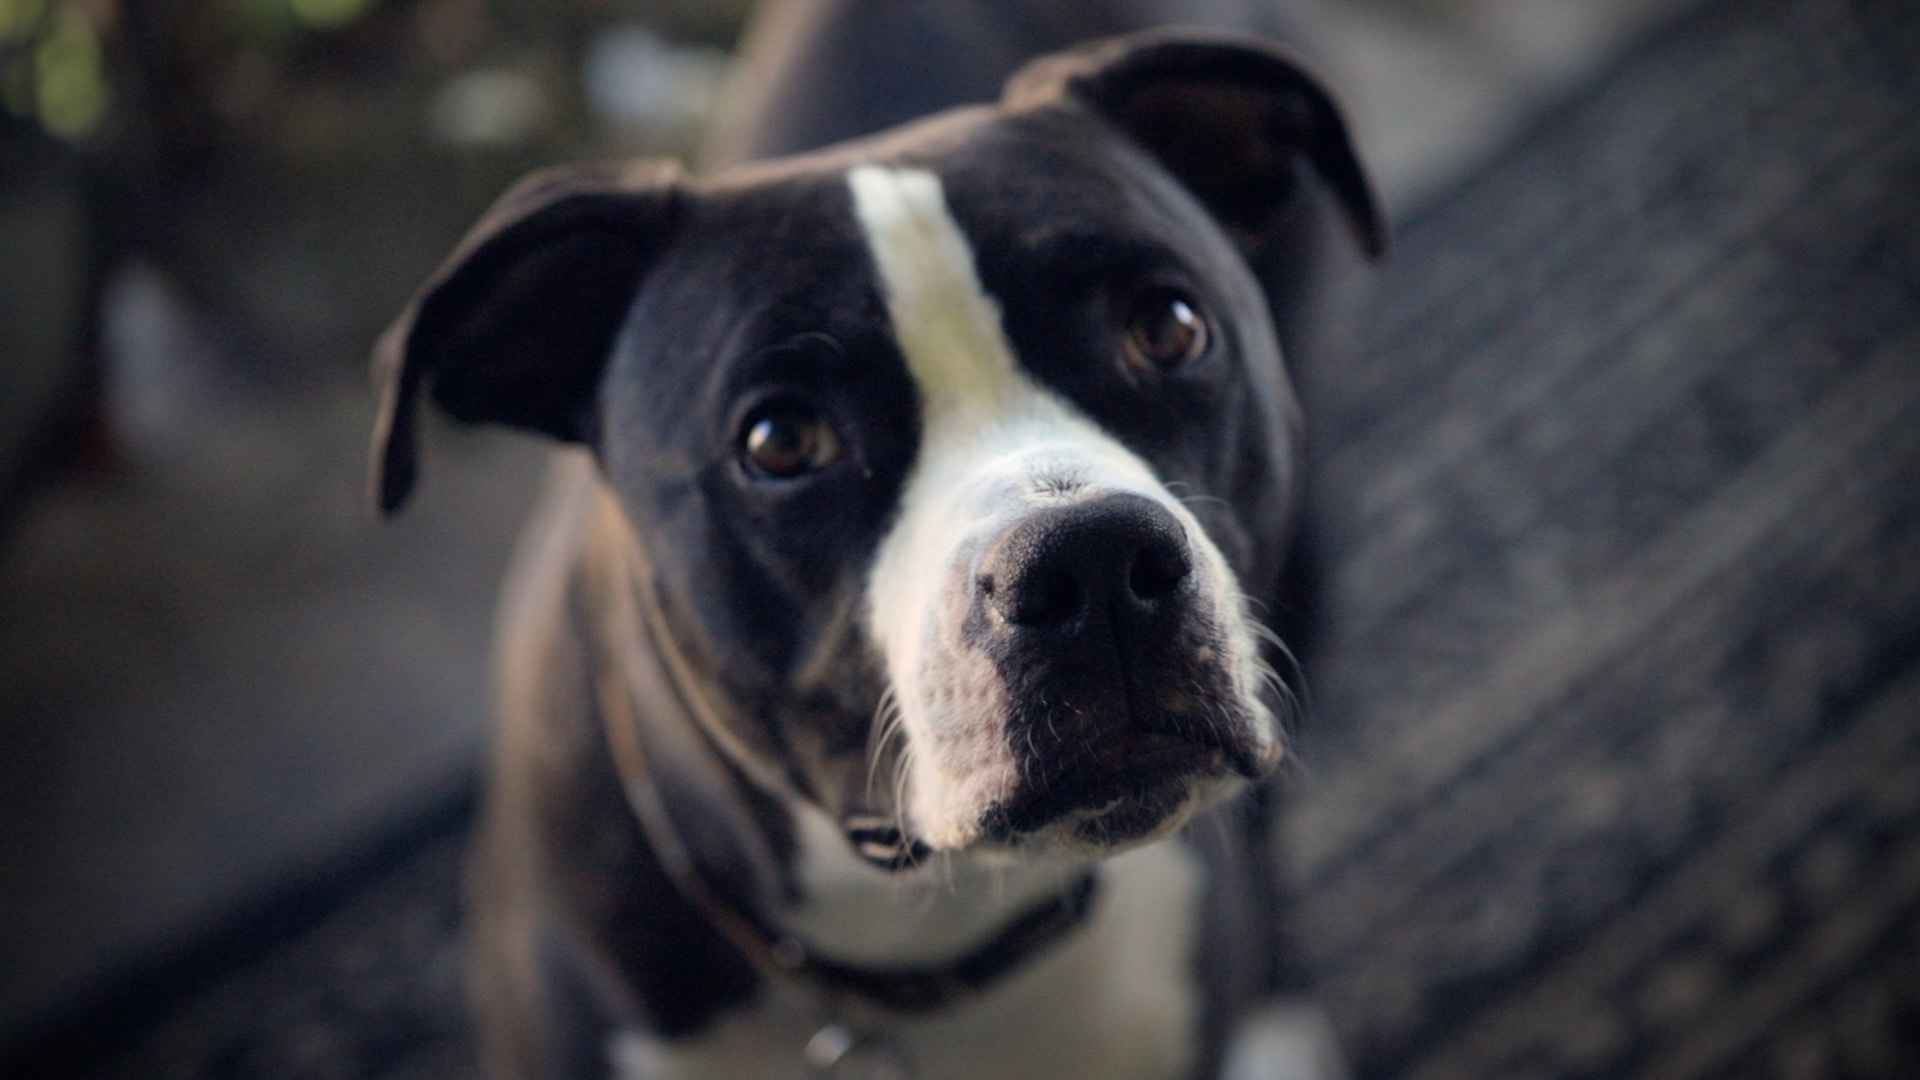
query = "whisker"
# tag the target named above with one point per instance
(1289, 699)
(900, 774)
(1211, 710)
(888, 722)
(1194, 500)
(1300, 701)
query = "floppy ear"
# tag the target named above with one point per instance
(1226, 114)
(516, 326)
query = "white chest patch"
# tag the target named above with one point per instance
(1116, 1001)
(857, 913)
(994, 445)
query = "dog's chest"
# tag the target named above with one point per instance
(1117, 1000)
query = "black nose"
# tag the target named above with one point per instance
(1115, 563)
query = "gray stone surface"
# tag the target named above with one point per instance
(1616, 768)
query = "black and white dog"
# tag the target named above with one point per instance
(883, 686)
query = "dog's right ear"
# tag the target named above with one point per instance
(515, 328)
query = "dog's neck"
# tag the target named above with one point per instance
(927, 914)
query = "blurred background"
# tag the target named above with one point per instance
(234, 705)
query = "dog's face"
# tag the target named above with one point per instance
(954, 456)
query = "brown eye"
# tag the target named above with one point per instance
(787, 440)
(1165, 332)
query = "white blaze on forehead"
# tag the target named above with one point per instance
(989, 434)
(946, 326)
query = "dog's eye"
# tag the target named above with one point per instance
(1165, 332)
(788, 439)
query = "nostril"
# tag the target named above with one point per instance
(1157, 570)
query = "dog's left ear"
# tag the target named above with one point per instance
(517, 325)
(1226, 114)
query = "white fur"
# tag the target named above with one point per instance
(856, 912)
(994, 445)
(1115, 1001)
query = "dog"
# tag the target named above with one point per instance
(884, 683)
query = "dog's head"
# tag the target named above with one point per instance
(956, 455)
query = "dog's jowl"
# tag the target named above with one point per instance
(884, 690)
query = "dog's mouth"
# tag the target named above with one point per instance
(1115, 791)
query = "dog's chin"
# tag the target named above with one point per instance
(1088, 808)
(1107, 829)
(1091, 793)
